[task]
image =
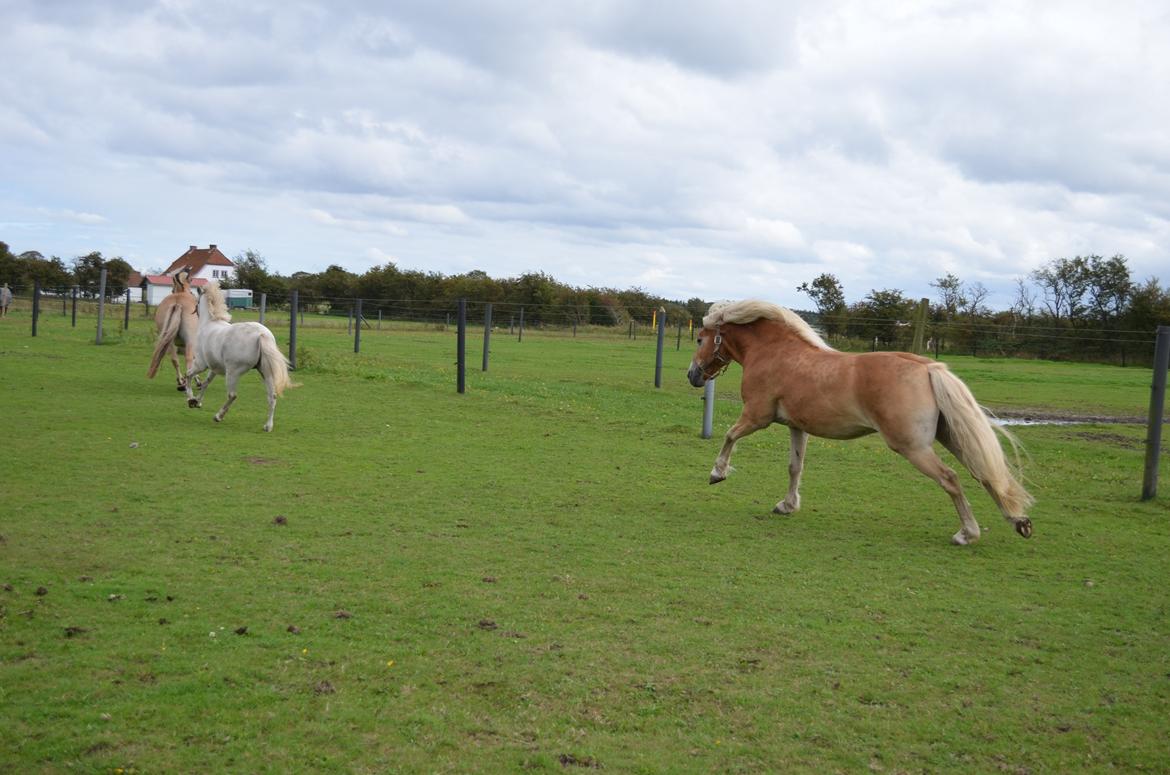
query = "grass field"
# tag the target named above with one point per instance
(535, 576)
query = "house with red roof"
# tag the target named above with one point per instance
(206, 264)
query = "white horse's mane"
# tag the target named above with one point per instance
(750, 310)
(216, 306)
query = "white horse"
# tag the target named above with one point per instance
(232, 349)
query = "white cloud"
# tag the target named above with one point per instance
(693, 148)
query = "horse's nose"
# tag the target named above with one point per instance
(695, 376)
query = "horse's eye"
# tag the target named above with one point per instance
(699, 340)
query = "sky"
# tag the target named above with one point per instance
(718, 149)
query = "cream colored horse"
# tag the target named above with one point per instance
(176, 318)
(792, 377)
(232, 349)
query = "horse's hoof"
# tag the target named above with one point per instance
(716, 479)
(1024, 527)
(192, 403)
(181, 388)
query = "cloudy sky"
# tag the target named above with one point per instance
(717, 149)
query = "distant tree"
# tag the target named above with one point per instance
(950, 294)
(1149, 307)
(1109, 287)
(117, 275)
(971, 302)
(9, 266)
(696, 309)
(50, 272)
(87, 270)
(336, 283)
(252, 273)
(826, 292)
(882, 315)
(1063, 283)
(1024, 304)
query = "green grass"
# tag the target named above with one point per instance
(536, 576)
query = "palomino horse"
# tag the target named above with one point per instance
(792, 377)
(232, 349)
(176, 317)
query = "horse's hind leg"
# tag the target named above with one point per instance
(232, 378)
(928, 462)
(799, 442)
(194, 401)
(180, 379)
(1021, 523)
(271, 388)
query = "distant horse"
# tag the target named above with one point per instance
(176, 317)
(792, 377)
(232, 349)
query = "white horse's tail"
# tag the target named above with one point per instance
(273, 364)
(974, 438)
(166, 336)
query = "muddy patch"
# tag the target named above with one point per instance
(1111, 439)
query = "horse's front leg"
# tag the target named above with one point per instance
(751, 419)
(799, 442)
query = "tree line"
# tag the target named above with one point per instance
(1080, 307)
(1085, 306)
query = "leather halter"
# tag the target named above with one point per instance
(718, 358)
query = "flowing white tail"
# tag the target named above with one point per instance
(974, 437)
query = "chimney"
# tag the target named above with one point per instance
(212, 246)
(191, 248)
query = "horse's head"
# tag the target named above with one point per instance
(711, 357)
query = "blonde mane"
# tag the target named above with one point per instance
(216, 306)
(750, 310)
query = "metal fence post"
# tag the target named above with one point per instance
(487, 333)
(1157, 412)
(357, 332)
(292, 330)
(263, 306)
(708, 407)
(36, 305)
(461, 348)
(101, 305)
(75, 306)
(661, 340)
(521, 337)
(126, 313)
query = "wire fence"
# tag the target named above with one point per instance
(1033, 338)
